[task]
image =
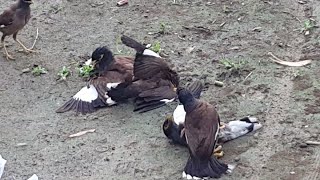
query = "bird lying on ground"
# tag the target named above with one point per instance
(154, 83)
(201, 132)
(109, 71)
(119, 79)
(173, 126)
(13, 20)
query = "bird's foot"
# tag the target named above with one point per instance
(222, 126)
(217, 152)
(9, 57)
(26, 50)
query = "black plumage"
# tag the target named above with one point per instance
(154, 82)
(13, 20)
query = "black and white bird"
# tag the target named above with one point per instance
(110, 71)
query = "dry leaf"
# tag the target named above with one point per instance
(289, 63)
(2, 164)
(82, 133)
(294, 64)
(122, 2)
(189, 50)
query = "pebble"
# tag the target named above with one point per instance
(237, 159)
(303, 145)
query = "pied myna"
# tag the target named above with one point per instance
(13, 20)
(201, 132)
(109, 72)
(154, 83)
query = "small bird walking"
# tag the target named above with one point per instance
(12, 20)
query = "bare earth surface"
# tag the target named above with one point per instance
(127, 145)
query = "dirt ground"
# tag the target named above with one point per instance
(127, 145)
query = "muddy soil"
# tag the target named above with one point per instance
(132, 146)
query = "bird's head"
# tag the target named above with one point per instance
(26, 2)
(101, 58)
(167, 124)
(184, 95)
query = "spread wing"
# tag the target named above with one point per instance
(91, 97)
(202, 129)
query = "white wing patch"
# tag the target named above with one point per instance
(167, 100)
(110, 102)
(87, 94)
(149, 52)
(112, 85)
(179, 114)
(88, 62)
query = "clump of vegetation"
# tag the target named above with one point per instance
(308, 26)
(163, 28)
(156, 47)
(85, 71)
(64, 73)
(38, 70)
(228, 64)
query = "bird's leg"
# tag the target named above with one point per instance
(222, 125)
(217, 152)
(8, 56)
(182, 132)
(20, 43)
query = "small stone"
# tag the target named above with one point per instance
(26, 70)
(21, 144)
(237, 159)
(303, 145)
(292, 172)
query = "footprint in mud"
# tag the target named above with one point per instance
(315, 107)
(125, 167)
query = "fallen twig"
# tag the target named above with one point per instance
(218, 83)
(288, 63)
(82, 133)
(248, 76)
(203, 29)
(313, 142)
(35, 40)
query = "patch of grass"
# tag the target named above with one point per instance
(308, 24)
(228, 64)
(85, 71)
(38, 70)
(64, 73)
(163, 28)
(156, 47)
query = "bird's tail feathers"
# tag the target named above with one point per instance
(133, 44)
(199, 169)
(196, 88)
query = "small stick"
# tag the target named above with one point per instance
(312, 142)
(275, 57)
(248, 76)
(218, 83)
(35, 40)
